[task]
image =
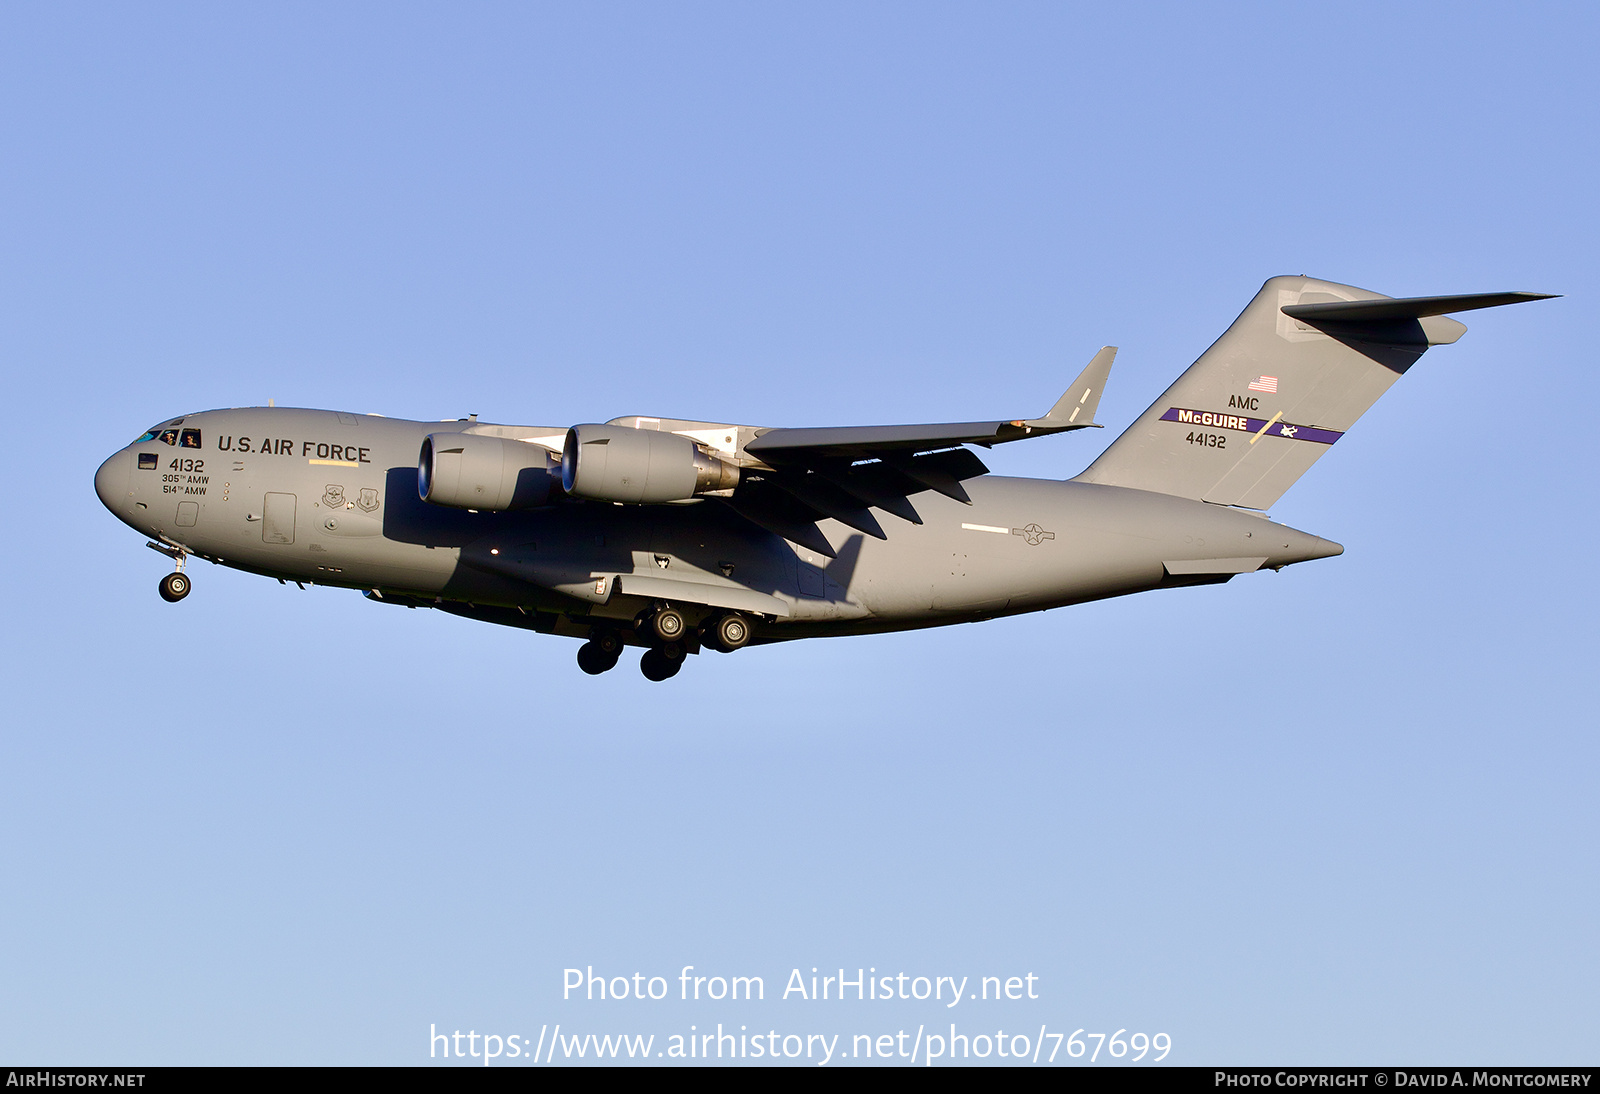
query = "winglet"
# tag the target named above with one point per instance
(1076, 408)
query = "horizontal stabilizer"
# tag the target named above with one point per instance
(1407, 307)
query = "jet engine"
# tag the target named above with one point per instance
(467, 471)
(640, 466)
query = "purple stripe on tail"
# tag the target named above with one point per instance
(1212, 419)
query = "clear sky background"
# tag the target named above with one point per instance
(1341, 814)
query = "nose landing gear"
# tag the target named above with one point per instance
(176, 585)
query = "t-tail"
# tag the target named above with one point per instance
(1292, 374)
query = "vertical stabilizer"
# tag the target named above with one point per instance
(1302, 362)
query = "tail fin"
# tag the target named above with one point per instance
(1302, 362)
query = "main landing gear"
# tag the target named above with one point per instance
(600, 653)
(667, 624)
(727, 632)
(663, 662)
(665, 629)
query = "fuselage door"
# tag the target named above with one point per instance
(277, 519)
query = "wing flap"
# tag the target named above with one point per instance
(781, 513)
(859, 442)
(831, 501)
(878, 485)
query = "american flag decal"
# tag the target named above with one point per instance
(1269, 384)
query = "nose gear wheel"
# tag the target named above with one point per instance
(174, 587)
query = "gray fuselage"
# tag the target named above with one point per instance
(332, 498)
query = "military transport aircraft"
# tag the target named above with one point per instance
(677, 536)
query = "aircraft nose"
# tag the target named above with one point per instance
(111, 481)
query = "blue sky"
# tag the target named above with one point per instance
(1341, 814)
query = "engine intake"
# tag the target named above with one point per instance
(640, 466)
(466, 471)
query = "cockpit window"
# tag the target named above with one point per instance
(167, 433)
(191, 438)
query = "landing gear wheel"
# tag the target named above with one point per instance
(593, 658)
(668, 624)
(663, 663)
(174, 587)
(608, 642)
(731, 632)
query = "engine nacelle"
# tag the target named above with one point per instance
(466, 471)
(640, 466)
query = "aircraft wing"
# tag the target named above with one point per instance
(846, 472)
(1074, 410)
